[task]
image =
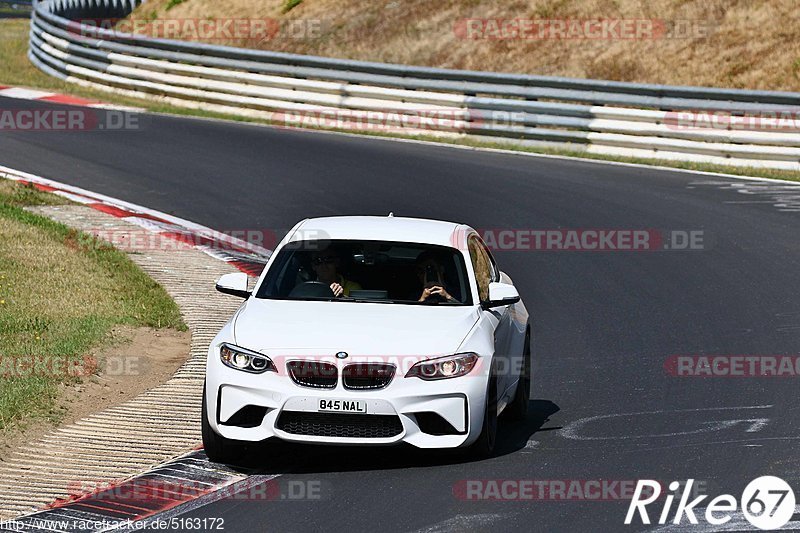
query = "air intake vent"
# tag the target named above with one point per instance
(340, 425)
(249, 416)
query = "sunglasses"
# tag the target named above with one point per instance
(422, 268)
(328, 260)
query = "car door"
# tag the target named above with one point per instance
(486, 272)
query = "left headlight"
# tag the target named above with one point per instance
(450, 366)
(245, 360)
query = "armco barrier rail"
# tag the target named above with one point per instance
(726, 126)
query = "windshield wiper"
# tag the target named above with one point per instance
(367, 300)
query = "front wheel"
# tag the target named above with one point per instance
(218, 449)
(484, 446)
(518, 408)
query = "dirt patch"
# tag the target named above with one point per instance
(134, 360)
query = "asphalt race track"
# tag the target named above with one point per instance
(604, 323)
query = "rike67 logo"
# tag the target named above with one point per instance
(767, 502)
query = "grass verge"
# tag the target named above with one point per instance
(61, 293)
(16, 70)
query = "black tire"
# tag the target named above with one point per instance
(218, 449)
(518, 408)
(484, 446)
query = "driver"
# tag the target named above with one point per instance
(326, 265)
(430, 273)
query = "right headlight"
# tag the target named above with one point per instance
(449, 366)
(245, 360)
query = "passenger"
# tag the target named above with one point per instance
(326, 264)
(430, 273)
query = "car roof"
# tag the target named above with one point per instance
(388, 228)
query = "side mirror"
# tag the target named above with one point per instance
(501, 294)
(234, 284)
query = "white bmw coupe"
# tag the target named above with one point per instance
(370, 331)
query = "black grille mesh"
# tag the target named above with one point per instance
(367, 375)
(313, 374)
(340, 425)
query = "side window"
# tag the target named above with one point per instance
(492, 264)
(482, 266)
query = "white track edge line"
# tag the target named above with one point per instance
(18, 175)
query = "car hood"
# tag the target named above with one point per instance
(370, 329)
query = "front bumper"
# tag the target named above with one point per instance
(403, 405)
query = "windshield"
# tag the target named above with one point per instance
(368, 271)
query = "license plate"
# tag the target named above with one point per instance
(343, 406)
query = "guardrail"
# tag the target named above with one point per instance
(725, 126)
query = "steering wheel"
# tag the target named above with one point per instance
(312, 289)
